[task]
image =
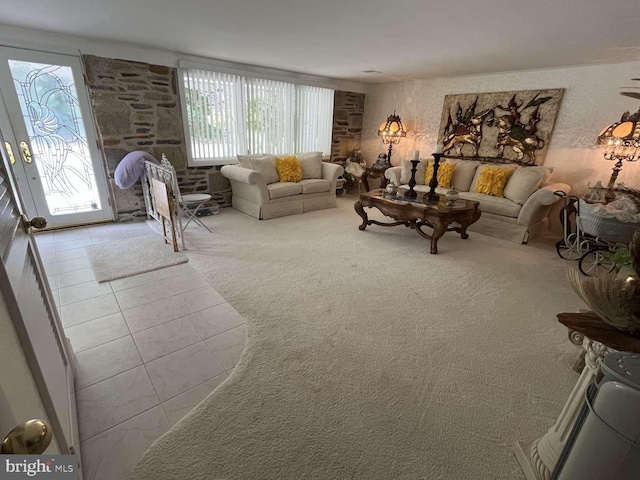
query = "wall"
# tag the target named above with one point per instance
(32, 39)
(137, 107)
(348, 113)
(591, 102)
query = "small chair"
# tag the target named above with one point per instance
(191, 203)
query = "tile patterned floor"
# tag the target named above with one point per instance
(149, 347)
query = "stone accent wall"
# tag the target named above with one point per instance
(137, 107)
(348, 111)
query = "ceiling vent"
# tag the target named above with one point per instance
(371, 71)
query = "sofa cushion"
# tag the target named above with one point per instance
(523, 182)
(283, 189)
(315, 185)
(289, 169)
(311, 164)
(478, 172)
(463, 174)
(265, 165)
(445, 173)
(405, 174)
(495, 205)
(245, 160)
(491, 180)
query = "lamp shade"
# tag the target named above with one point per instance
(392, 130)
(624, 134)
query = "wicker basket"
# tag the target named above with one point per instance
(607, 228)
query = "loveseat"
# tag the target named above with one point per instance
(518, 215)
(258, 191)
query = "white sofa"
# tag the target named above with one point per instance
(518, 216)
(255, 192)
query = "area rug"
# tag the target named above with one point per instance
(124, 258)
(369, 358)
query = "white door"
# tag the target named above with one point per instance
(48, 125)
(27, 296)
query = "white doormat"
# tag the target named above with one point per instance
(124, 258)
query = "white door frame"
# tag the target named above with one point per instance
(19, 134)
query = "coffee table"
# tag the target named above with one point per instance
(417, 213)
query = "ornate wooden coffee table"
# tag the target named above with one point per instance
(417, 213)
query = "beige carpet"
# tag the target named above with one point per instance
(123, 258)
(369, 358)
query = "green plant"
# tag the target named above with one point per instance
(622, 258)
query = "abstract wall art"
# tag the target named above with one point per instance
(510, 127)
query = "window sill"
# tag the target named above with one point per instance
(212, 162)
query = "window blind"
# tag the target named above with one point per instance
(229, 114)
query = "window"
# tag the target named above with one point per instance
(230, 114)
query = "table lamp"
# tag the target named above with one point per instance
(622, 143)
(392, 131)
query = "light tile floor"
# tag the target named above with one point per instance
(148, 348)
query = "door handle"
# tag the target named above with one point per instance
(29, 438)
(12, 158)
(26, 152)
(35, 222)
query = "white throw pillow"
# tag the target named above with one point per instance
(245, 161)
(405, 174)
(311, 164)
(266, 166)
(463, 174)
(523, 182)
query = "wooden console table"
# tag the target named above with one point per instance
(539, 458)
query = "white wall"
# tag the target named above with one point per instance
(591, 102)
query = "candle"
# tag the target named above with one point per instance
(416, 154)
(438, 149)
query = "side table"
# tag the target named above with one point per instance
(373, 173)
(539, 458)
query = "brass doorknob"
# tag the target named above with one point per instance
(30, 438)
(35, 222)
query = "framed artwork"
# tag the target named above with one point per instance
(509, 127)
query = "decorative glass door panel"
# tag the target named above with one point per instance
(48, 110)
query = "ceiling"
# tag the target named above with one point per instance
(403, 39)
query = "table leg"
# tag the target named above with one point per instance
(365, 183)
(439, 229)
(463, 231)
(360, 211)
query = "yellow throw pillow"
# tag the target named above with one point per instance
(492, 180)
(445, 174)
(289, 169)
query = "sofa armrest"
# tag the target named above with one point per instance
(538, 205)
(331, 172)
(241, 174)
(393, 175)
(247, 184)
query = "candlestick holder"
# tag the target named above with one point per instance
(411, 193)
(432, 196)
